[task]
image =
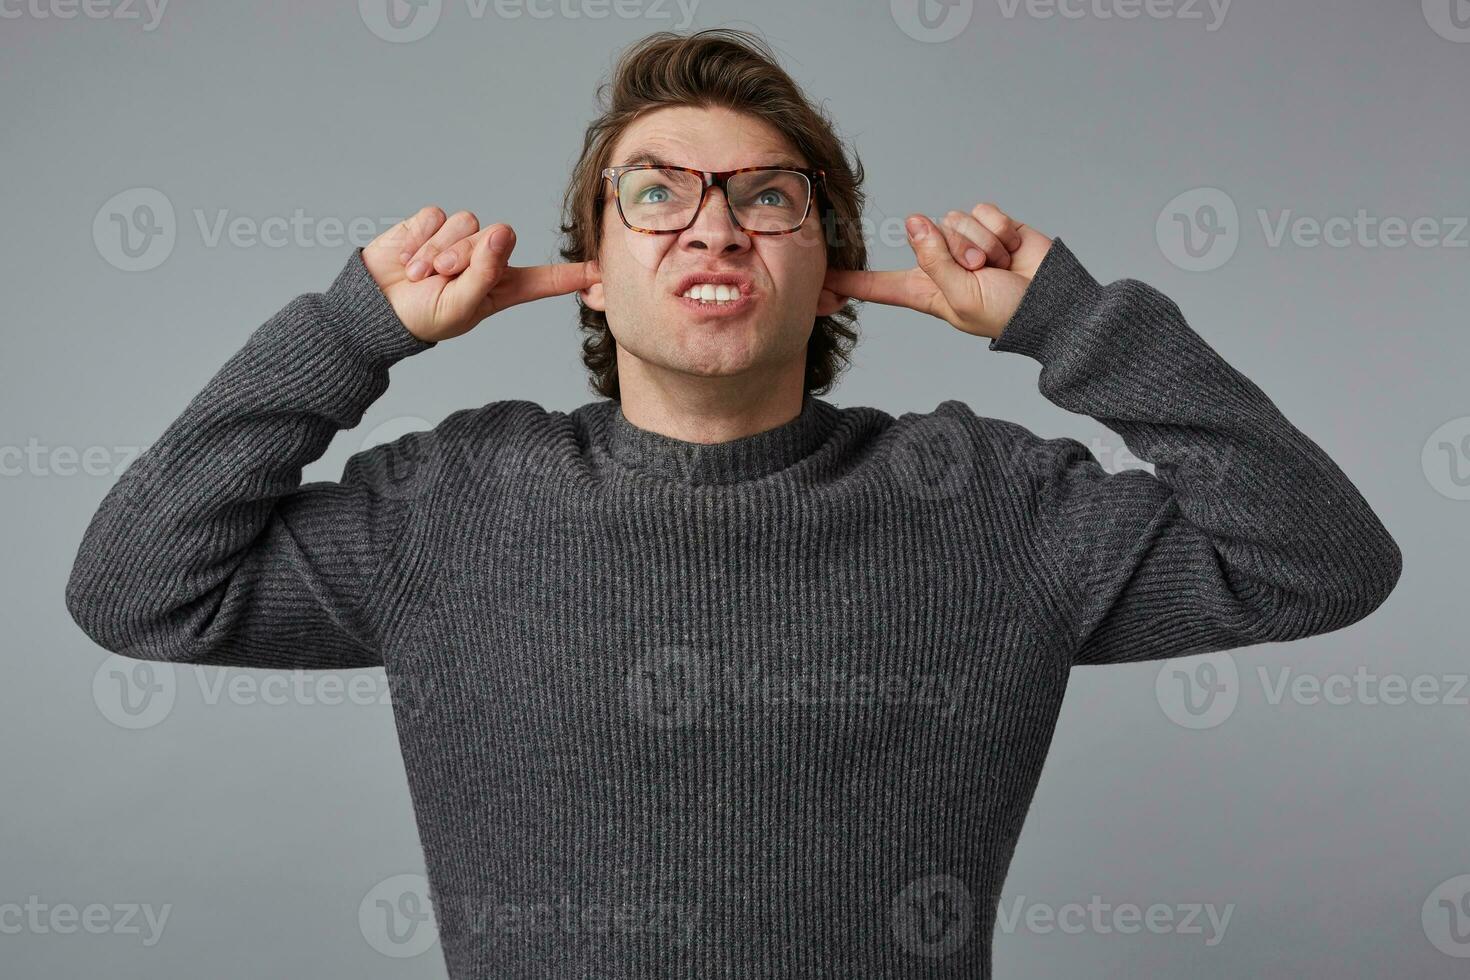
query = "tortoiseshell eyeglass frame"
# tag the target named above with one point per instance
(816, 178)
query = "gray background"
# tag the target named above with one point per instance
(1331, 830)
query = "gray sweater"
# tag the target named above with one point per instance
(774, 707)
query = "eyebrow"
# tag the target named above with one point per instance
(652, 157)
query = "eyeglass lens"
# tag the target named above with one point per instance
(763, 200)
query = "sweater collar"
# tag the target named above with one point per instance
(736, 460)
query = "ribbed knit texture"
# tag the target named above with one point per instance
(776, 707)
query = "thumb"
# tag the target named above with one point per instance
(934, 257)
(468, 294)
(489, 258)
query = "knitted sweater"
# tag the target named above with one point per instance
(773, 707)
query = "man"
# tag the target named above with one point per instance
(711, 677)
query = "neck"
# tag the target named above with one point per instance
(718, 431)
(708, 410)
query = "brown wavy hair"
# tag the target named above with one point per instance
(716, 68)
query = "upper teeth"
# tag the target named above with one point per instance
(710, 291)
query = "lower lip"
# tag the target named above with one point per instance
(731, 308)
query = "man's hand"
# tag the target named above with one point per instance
(444, 275)
(973, 270)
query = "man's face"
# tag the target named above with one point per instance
(659, 331)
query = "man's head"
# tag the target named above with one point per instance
(714, 101)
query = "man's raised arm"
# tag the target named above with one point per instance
(208, 550)
(1246, 533)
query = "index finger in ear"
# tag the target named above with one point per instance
(892, 288)
(526, 283)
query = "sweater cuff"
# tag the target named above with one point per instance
(364, 318)
(1061, 294)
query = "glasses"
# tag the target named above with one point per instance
(658, 200)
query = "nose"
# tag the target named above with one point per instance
(714, 228)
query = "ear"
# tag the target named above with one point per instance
(593, 297)
(829, 302)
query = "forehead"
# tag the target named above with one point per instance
(704, 138)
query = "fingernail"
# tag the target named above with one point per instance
(447, 262)
(972, 256)
(419, 268)
(916, 228)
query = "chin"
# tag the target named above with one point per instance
(712, 365)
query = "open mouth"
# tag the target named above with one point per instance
(715, 293)
(719, 295)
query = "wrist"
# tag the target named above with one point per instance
(1061, 291)
(365, 318)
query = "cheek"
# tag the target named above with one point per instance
(641, 257)
(628, 267)
(796, 268)
(811, 237)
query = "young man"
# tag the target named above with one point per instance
(711, 677)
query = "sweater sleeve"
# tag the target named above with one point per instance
(208, 550)
(1246, 533)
